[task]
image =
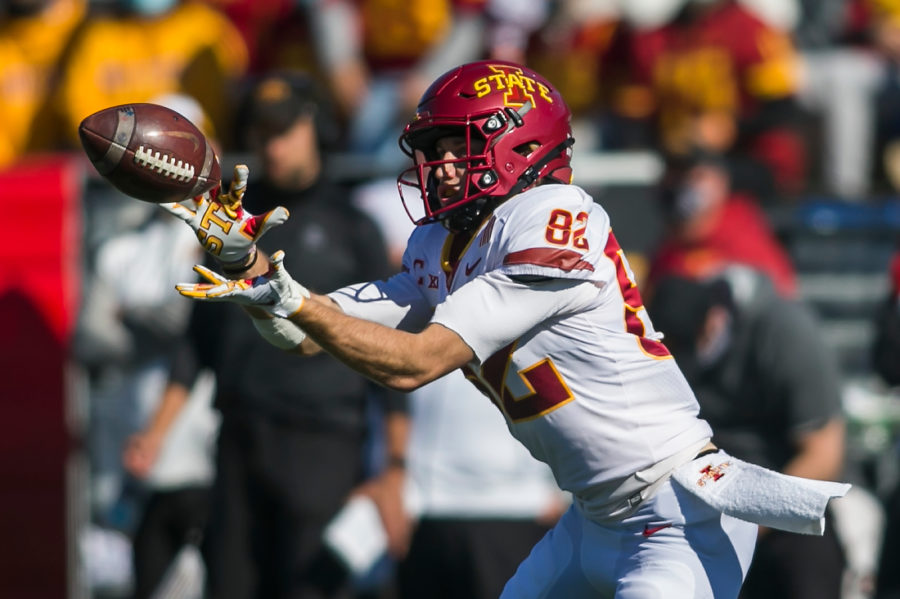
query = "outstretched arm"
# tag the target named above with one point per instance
(394, 358)
(391, 357)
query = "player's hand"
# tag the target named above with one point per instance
(140, 453)
(386, 490)
(224, 228)
(275, 292)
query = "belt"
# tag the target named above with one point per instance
(624, 496)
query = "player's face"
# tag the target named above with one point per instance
(290, 157)
(451, 173)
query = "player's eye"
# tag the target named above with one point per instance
(455, 146)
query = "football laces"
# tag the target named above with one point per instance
(168, 166)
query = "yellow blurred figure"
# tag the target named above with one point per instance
(30, 47)
(191, 49)
(401, 31)
(884, 8)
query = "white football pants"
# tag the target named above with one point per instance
(673, 547)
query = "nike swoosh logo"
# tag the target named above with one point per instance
(649, 530)
(471, 267)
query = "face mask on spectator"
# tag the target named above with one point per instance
(689, 201)
(149, 8)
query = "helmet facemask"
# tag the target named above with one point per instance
(419, 184)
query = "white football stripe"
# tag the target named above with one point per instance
(122, 136)
(204, 172)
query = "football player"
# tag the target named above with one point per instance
(515, 276)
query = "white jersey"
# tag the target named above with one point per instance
(463, 464)
(544, 296)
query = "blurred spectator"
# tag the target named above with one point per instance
(888, 584)
(478, 499)
(820, 23)
(724, 81)
(842, 74)
(380, 55)
(125, 335)
(258, 22)
(34, 35)
(147, 49)
(886, 352)
(123, 339)
(709, 226)
(780, 14)
(884, 31)
(770, 388)
(573, 47)
(278, 34)
(512, 22)
(173, 456)
(291, 443)
(289, 44)
(476, 502)
(650, 14)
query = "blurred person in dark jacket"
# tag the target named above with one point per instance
(771, 389)
(886, 362)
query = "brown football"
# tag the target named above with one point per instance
(150, 152)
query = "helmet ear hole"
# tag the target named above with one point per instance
(528, 148)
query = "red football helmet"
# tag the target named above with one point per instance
(516, 130)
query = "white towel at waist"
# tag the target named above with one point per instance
(759, 495)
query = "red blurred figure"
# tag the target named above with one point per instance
(710, 226)
(378, 56)
(261, 24)
(572, 48)
(724, 81)
(895, 275)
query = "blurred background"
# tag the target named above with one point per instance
(797, 102)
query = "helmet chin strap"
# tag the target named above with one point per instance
(467, 217)
(531, 174)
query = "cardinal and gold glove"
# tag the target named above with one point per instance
(224, 228)
(275, 292)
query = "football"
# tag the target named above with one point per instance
(150, 152)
